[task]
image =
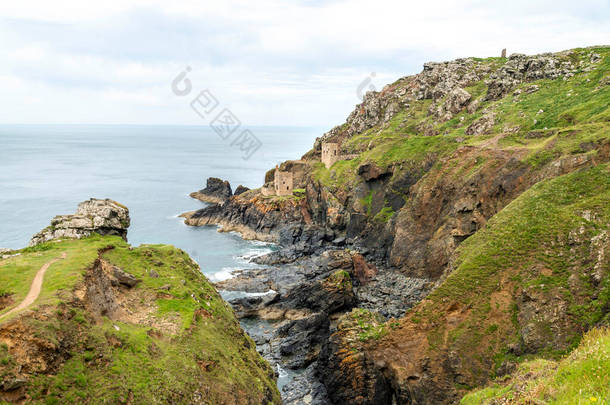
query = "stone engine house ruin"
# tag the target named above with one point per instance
(330, 154)
(283, 182)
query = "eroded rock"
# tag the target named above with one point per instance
(217, 191)
(106, 217)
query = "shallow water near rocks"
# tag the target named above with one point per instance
(47, 170)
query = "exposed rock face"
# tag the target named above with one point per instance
(455, 101)
(522, 68)
(217, 191)
(240, 190)
(345, 366)
(254, 218)
(106, 217)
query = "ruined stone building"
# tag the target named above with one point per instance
(330, 153)
(283, 182)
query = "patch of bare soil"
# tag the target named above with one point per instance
(6, 300)
(105, 293)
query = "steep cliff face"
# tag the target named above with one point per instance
(531, 282)
(481, 180)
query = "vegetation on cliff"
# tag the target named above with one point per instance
(582, 377)
(528, 284)
(116, 324)
(547, 117)
(486, 181)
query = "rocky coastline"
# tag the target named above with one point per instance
(364, 241)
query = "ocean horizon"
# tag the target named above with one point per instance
(48, 169)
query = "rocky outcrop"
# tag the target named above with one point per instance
(241, 189)
(347, 368)
(455, 101)
(253, 216)
(105, 217)
(217, 191)
(523, 68)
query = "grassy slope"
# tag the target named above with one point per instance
(575, 111)
(506, 256)
(209, 354)
(583, 377)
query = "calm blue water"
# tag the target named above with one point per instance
(48, 170)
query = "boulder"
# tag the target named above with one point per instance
(482, 126)
(106, 217)
(363, 271)
(124, 278)
(457, 100)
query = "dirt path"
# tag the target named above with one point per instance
(34, 288)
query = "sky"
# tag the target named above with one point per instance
(271, 62)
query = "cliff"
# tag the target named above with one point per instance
(112, 323)
(477, 190)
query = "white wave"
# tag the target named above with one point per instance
(224, 274)
(280, 371)
(252, 253)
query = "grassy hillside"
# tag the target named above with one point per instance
(546, 118)
(172, 339)
(527, 285)
(583, 377)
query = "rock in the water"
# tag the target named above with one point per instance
(106, 217)
(216, 191)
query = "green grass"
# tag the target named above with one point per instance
(575, 110)
(368, 325)
(384, 215)
(208, 353)
(582, 377)
(502, 259)
(340, 280)
(60, 276)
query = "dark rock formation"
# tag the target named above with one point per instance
(240, 190)
(254, 218)
(217, 191)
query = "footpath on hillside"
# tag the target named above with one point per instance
(34, 288)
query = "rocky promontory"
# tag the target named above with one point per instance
(118, 324)
(105, 217)
(216, 191)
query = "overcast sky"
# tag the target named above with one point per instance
(272, 62)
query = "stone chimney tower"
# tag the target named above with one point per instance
(283, 182)
(330, 153)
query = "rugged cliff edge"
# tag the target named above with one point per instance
(121, 325)
(481, 182)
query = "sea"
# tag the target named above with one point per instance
(46, 170)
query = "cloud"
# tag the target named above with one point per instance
(272, 62)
